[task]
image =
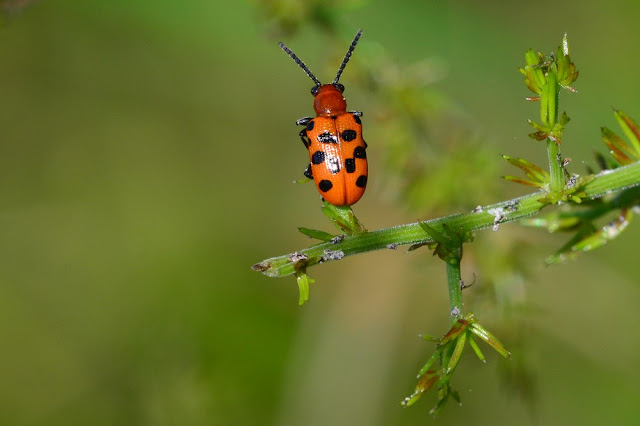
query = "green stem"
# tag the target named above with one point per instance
(455, 289)
(606, 182)
(550, 116)
(555, 166)
(553, 90)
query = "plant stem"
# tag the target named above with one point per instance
(550, 117)
(553, 90)
(455, 289)
(555, 166)
(606, 182)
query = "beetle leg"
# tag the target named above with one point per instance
(303, 121)
(303, 138)
(308, 173)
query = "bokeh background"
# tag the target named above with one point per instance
(147, 150)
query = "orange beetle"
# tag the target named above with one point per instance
(337, 151)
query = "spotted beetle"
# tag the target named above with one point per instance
(337, 151)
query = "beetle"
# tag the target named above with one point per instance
(337, 151)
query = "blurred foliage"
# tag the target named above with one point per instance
(147, 150)
(11, 7)
(286, 17)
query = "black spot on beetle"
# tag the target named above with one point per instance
(325, 185)
(359, 152)
(361, 182)
(350, 165)
(327, 137)
(317, 157)
(349, 135)
(357, 118)
(310, 125)
(333, 117)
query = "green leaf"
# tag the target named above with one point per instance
(429, 338)
(443, 396)
(343, 218)
(534, 76)
(531, 58)
(490, 339)
(423, 385)
(476, 348)
(553, 222)
(618, 148)
(455, 395)
(531, 86)
(532, 171)
(562, 63)
(458, 328)
(604, 234)
(567, 72)
(544, 106)
(523, 181)
(584, 230)
(552, 98)
(318, 235)
(427, 366)
(447, 241)
(457, 353)
(538, 177)
(433, 233)
(303, 286)
(539, 136)
(631, 130)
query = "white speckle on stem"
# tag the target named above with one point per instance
(337, 239)
(297, 256)
(572, 181)
(333, 255)
(498, 217)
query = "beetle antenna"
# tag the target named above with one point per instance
(299, 62)
(348, 56)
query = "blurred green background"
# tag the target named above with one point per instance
(146, 158)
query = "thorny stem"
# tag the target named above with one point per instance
(606, 182)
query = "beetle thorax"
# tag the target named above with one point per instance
(329, 101)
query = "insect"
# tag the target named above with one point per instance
(337, 151)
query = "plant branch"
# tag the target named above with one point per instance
(455, 289)
(491, 216)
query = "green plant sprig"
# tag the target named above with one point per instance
(439, 368)
(491, 216)
(545, 75)
(582, 200)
